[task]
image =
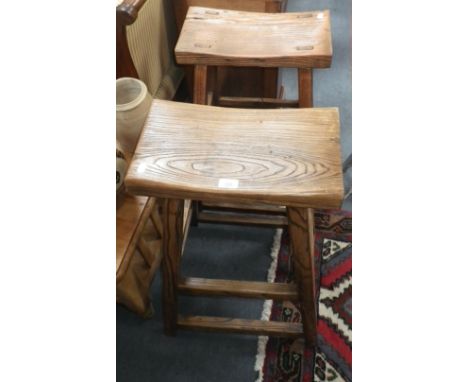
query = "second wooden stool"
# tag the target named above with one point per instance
(212, 38)
(217, 37)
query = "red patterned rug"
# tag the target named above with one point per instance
(289, 360)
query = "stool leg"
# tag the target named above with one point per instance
(270, 82)
(212, 85)
(305, 84)
(301, 231)
(199, 84)
(173, 216)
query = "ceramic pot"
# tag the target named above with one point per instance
(133, 104)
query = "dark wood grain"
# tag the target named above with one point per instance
(263, 215)
(200, 84)
(232, 38)
(275, 6)
(126, 14)
(255, 208)
(173, 211)
(305, 87)
(128, 10)
(280, 157)
(235, 288)
(242, 326)
(241, 218)
(301, 226)
(270, 81)
(188, 211)
(256, 102)
(200, 96)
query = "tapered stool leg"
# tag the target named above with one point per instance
(173, 215)
(305, 84)
(270, 82)
(301, 231)
(212, 86)
(199, 84)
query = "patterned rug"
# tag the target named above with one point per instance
(287, 360)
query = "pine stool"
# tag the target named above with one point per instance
(217, 37)
(285, 157)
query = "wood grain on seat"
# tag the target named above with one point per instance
(220, 37)
(282, 157)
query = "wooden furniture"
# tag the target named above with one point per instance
(213, 38)
(145, 41)
(138, 252)
(245, 82)
(139, 231)
(217, 37)
(285, 157)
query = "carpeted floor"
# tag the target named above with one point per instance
(291, 360)
(143, 352)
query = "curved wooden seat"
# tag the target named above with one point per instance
(282, 157)
(231, 38)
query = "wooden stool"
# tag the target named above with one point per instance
(212, 38)
(217, 37)
(243, 82)
(285, 157)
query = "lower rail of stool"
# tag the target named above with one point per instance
(254, 102)
(244, 208)
(241, 218)
(235, 288)
(241, 214)
(239, 325)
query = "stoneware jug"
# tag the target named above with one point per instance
(133, 104)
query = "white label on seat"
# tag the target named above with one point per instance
(320, 15)
(228, 183)
(141, 168)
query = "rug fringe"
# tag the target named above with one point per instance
(267, 305)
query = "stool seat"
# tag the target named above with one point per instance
(231, 38)
(282, 157)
